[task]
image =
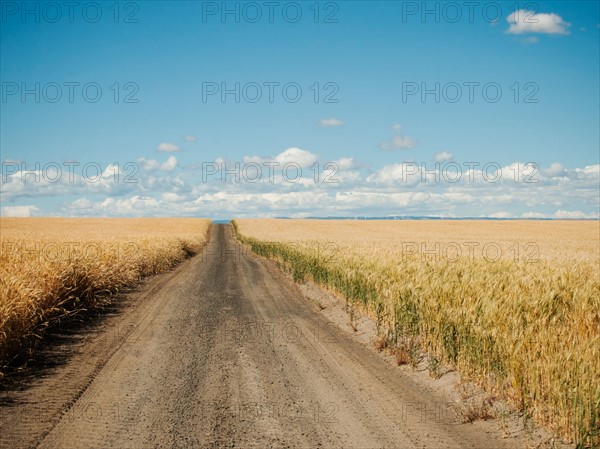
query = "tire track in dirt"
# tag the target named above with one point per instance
(226, 352)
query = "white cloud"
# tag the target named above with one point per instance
(396, 174)
(152, 164)
(554, 170)
(190, 138)
(331, 122)
(149, 164)
(591, 171)
(296, 155)
(302, 157)
(534, 215)
(523, 21)
(346, 163)
(167, 147)
(81, 203)
(443, 156)
(573, 215)
(407, 188)
(133, 204)
(170, 164)
(502, 214)
(113, 171)
(398, 142)
(401, 142)
(172, 197)
(19, 211)
(349, 202)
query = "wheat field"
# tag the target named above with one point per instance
(514, 305)
(51, 268)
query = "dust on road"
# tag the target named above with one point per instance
(226, 352)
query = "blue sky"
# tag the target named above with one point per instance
(379, 135)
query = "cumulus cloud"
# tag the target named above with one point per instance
(401, 142)
(398, 142)
(55, 181)
(170, 164)
(314, 202)
(152, 164)
(302, 157)
(347, 188)
(19, 211)
(500, 214)
(172, 197)
(396, 174)
(536, 215)
(291, 155)
(554, 170)
(133, 204)
(81, 203)
(167, 147)
(190, 138)
(523, 21)
(590, 171)
(574, 215)
(443, 156)
(346, 163)
(148, 164)
(331, 122)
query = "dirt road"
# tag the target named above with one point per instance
(225, 352)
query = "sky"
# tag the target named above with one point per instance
(297, 109)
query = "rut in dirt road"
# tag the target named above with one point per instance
(226, 352)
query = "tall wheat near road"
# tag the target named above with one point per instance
(224, 351)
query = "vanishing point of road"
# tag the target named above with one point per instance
(224, 351)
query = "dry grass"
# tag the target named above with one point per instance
(53, 267)
(521, 318)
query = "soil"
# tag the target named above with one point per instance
(226, 351)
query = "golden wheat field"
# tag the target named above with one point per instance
(514, 305)
(52, 267)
